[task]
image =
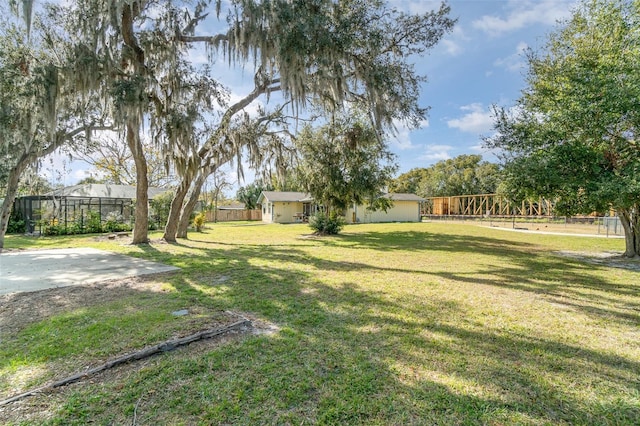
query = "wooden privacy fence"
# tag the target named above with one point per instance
(232, 215)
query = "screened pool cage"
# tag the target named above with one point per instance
(45, 214)
(67, 211)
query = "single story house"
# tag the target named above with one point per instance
(405, 208)
(291, 207)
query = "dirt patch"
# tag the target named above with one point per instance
(19, 310)
(610, 259)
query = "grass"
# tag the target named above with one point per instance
(384, 324)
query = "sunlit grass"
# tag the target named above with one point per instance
(384, 324)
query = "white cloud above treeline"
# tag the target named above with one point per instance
(477, 119)
(435, 153)
(524, 13)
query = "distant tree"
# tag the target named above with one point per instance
(39, 109)
(343, 163)
(462, 175)
(409, 182)
(112, 160)
(213, 189)
(219, 182)
(249, 194)
(573, 136)
(90, 180)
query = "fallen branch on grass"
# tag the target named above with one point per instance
(166, 346)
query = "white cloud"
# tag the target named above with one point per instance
(436, 153)
(476, 120)
(79, 175)
(453, 43)
(416, 6)
(515, 62)
(523, 14)
(452, 47)
(402, 138)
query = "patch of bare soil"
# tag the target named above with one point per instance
(611, 259)
(19, 310)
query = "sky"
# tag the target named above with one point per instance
(479, 64)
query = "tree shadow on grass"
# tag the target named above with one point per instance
(425, 240)
(351, 354)
(363, 357)
(564, 281)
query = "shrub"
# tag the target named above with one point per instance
(74, 227)
(115, 223)
(159, 209)
(93, 225)
(52, 230)
(16, 224)
(199, 221)
(324, 224)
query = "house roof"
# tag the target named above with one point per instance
(100, 190)
(403, 197)
(277, 196)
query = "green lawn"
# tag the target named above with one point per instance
(387, 324)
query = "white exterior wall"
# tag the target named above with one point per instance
(402, 211)
(284, 212)
(280, 211)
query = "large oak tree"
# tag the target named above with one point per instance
(325, 54)
(40, 110)
(573, 136)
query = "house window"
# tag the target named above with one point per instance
(269, 208)
(264, 209)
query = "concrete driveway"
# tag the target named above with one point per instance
(41, 269)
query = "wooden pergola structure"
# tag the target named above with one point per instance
(486, 205)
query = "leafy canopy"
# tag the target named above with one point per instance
(573, 135)
(462, 175)
(344, 162)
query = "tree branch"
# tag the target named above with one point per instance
(215, 40)
(228, 115)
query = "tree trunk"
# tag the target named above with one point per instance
(215, 205)
(185, 217)
(141, 227)
(630, 219)
(12, 190)
(171, 228)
